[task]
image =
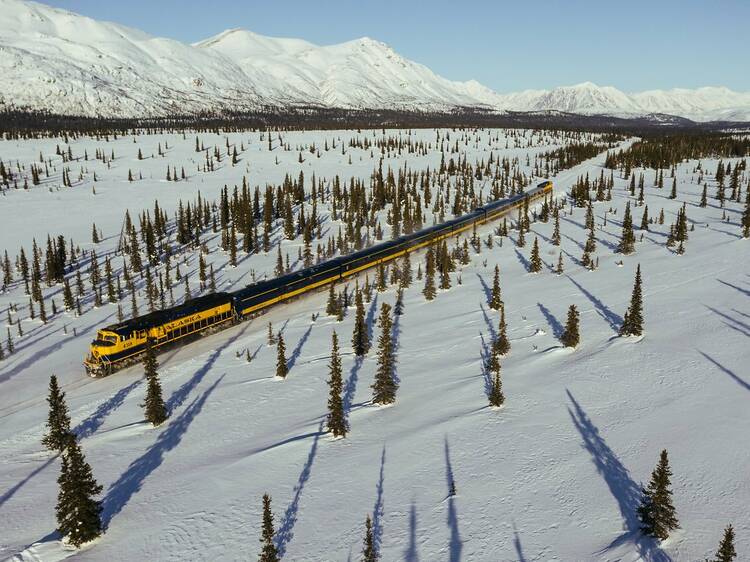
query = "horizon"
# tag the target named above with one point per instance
(530, 68)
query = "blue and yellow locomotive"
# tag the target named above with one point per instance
(122, 344)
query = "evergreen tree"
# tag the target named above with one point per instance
(496, 396)
(268, 552)
(704, 196)
(726, 552)
(746, 216)
(336, 418)
(398, 308)
(332, 305)
(536, 261)
(501, 344)
(656, 512)
(627, 240)
(429, 290)
(154, 407)
(282, 367)
(496, 300)
(58, 434)
(384, 387)
(369, 550)
(632, 324)
(78, 513)
(560, 267)
(360, 337)
(570, 337)
(556, 231)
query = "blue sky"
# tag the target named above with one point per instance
(630, 44)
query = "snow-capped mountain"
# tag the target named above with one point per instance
(58, 61)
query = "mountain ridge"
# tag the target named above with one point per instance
(64, 63)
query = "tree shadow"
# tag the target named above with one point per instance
(487, 290)
(613, 319)
(286, 530)
(370, 318)
(744, 384)
(488, 321)
(179, 396)
(484, 354)
(626, 492)
(89, 426)
(735, 287)
(737, 325)
(351, 384)
(521, 258)
(12, 491)
(130, 482)
(411, 553)
(298, 349)
(554, 323)
(517, 545)
(455, 545)
(378, 511)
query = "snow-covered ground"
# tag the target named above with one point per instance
(554, 475)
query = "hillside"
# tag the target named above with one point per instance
(553, 475)
(57, 61)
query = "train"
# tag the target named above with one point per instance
(124, 343)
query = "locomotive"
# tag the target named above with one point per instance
(123, 344)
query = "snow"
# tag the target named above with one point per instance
(69, 64)
(553, 475)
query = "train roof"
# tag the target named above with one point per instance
(167, 315)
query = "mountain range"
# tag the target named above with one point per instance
(65, 63)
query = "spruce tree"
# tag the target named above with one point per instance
(627, 240)
(336, 418)
(332, 304)
(726, 552)
(746, 216)
(58, 434)
(360, 337)
(398, 308)
(154, 407)
(429, 290)
(570, 337)
(268, 552)
(704, 196)
(556, 231)
(502, 344)
(496, 300)
(632, 324)
(78, 513)
(369, 550)
(496, 396)
(656, 512)
(559, 270)
(384, 387)
(536, 261)
(282, 367)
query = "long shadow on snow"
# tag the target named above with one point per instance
(726, 371)
(411, 553)
(455, 545)
(130, 482)
(487, 290)
(378, 511)
(298, 348)
(10, 493)
(180, 395)
(89, 426)
(517, 545)
(613, 319)
(735, 287)
(623, 488)
(488, 321)
(286, 530)
(738, 325)
(49, 350)
(521, 258)
(351, 384)
(554, 323)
